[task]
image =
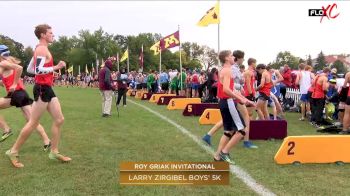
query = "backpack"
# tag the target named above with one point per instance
(288, 103)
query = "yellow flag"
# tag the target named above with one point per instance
(86, 69)
(70, 70)
(211, 17)
(156, 48)
(125, 56)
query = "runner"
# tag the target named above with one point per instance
(7, 132)
(304, 79)
(239, 82)
(320, 85)
(44, 97)
(10, 72)
(237, 75)
(249, 82)
(232, 119)
(264, 92)
(274, 102)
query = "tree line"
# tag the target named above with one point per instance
(84, 48)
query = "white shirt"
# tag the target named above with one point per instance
(305, 82)
(237, 77)
(172, 75)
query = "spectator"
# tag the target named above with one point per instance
(287, 80)
(122, 80)
(201, 87)
(105, 80)
(164, 81)
(195, 83)
(212, 85)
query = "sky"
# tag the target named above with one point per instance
(260, 28)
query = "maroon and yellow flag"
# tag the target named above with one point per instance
(211, 17)
(170, 41)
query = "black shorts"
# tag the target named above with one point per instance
(19, 98)
(263, 96)
(231, 118)
(44, 92)
(144, 85)
(251, 98)
(138, 86)
(165, 86)
(348, 100)
(343, 94)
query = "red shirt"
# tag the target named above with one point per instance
(266, 89)
(252, 81)
(221, 93)
(45, 79)
(318, 91)
(8, 81)
(287, 77)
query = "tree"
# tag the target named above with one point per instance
(309, 60)
(87, 46)
(320, 62)
(193, 50)
(16, 48)
(339, 66)
(27, 56)
(208, 58)
(285, 58)
(60, 48)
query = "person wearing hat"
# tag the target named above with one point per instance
(333, 96)
(122, 79)
(44, 97)
(106, 88)
(9, 71)
(333, 74)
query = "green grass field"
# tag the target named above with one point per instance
(97, 146)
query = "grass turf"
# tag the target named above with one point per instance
(97, 146)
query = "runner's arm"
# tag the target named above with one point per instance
(30, 67)
(279, 76)
(297, 80)
(228, 91)
(262, 83)
(248, 81)
(346, 80)
(18, 71)
(41, 54)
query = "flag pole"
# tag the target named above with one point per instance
(160, 60)
(218, 39)
(218, 44)
(141, 59)
(180, 59)
(127, 49)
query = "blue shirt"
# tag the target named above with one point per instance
(163, 78)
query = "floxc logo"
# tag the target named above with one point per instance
(330, 12)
